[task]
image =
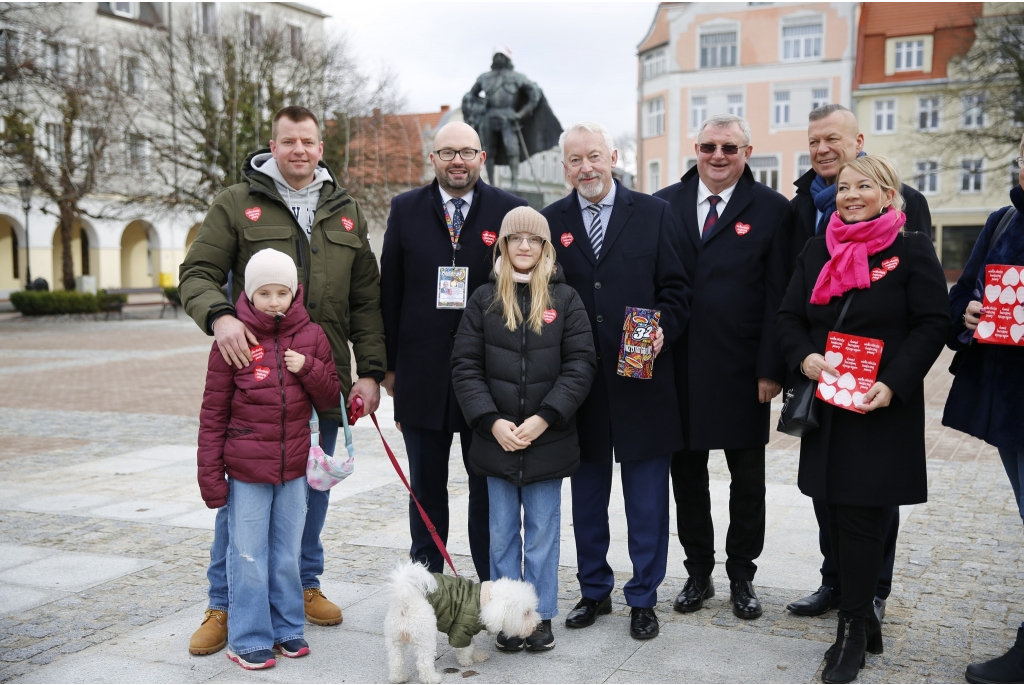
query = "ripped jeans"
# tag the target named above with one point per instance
(265, 603)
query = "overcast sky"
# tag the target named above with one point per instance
(582, 54)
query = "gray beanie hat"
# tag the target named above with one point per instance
(270, 266)
(525, 220)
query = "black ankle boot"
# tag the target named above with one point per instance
(874, 634)
(1008, 668)
(847, 655)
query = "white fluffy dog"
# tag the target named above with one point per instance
(506, 605)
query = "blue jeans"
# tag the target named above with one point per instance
(265, 603)
(1013, 462)
(542, 505)
(311, 564)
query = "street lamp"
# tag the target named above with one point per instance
(25, 185)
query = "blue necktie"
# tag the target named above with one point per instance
(596, 230)
(457, 218)
(712, 217)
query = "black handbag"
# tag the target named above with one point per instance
(799, 408)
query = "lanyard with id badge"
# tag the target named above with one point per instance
(452, 281)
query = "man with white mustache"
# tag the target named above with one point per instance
(834, 138)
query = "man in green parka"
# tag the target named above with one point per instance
(291, 202)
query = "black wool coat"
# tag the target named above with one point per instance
(738, 279)
(419, 336)
(639, 266)
(875, 459)
(512, 375)
(805, 214)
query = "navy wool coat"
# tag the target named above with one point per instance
(739, 274)
(639, 267)
(985, 398)
(418, 335)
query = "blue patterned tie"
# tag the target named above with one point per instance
(457, 218)
(596, 230)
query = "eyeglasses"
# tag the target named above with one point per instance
(532, 240)
(709, 148)
(449, 155)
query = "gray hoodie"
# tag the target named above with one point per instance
(302, 201)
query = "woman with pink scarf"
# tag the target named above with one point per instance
(860, 462)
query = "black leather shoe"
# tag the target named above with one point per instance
(745, 603)
(822, 600)
(643, 624)
(586, 612)
(879, 608)
(696, 590)
(1008, 668)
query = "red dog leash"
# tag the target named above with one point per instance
(355, 414)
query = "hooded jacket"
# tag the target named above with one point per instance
(334, 264)
(254, 421)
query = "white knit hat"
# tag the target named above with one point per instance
(270, 266)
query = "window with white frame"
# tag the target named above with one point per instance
(654, 117)
(970, 175)
(884, 119)
(10, 48)
(928, 113)
(803, 164)
(295, 41)
(973, 107)
(55, 143)
(781, 114)
(819, 97)
(89, 65)
(254, 26)
(208, 18)
(735, 104)
(765, 169)
(802, 41)
(718, 49)
(128, 10)
(927, 178)
(655, 63)
(698, 111)
(93, 146)
(56, 58)
(138, 152)
(653, 177)
(212, 91)
(133, 75)
(909, 55)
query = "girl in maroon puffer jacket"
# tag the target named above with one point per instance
(254, 429)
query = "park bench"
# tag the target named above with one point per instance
(162, 300)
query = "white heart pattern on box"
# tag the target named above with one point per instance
(992, 292)
(828, 378)
(1008, 296)
(1011, 277)
(843, 398)
(858, 398)
(1016, 332)
(1018, 314)
(833, 358)
(847, 381)
(827, 391)
(1020, 294)
(986, 328)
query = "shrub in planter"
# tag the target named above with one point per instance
(110, 303)
(171, 292)
(41, 303)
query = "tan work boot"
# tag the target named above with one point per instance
(212, 634)
(320, 610)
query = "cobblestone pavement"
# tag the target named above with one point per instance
(75, 394)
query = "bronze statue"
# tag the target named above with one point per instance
(511, 115)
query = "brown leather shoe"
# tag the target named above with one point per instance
(320, 610)
(212, 634)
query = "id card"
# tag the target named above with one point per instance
(452, 287)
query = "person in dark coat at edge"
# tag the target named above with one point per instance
(984, 400)
(620, 249)
(860, 464)
(734, 240)
(834, 138)
(453, 221)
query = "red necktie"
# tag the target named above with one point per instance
(712, 217)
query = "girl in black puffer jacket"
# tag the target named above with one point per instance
(523, 363)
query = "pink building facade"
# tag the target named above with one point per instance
(768, 63)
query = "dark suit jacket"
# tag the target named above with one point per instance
(639, 267)
(919, 217)
(738, 283)
(418, 335)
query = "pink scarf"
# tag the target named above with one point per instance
(850, 246)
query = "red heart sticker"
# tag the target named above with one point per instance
(254, 213)
(347, 223)
(550, 315)
(877, 274)
(891, 263)
(566, 239)
(256, 352)
(742, 229)
(488, 237)
(261, 372)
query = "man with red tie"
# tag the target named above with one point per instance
(734, 242)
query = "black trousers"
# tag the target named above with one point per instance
(745, 539)
(858, 541)
(428, 452)
(830, 571)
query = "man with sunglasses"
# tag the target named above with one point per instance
(734, 237)
(437, 250)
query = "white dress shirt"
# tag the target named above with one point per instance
(704, 207)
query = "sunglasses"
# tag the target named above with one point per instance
(709, 148)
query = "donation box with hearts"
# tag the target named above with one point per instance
(1002, 321)
(856, 359)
